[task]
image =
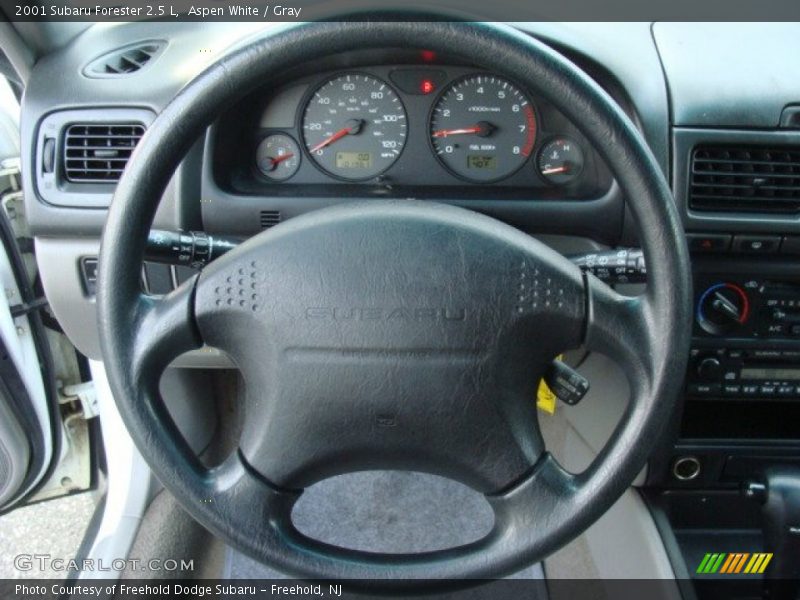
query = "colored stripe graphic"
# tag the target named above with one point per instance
(729, 562)
(763, 565)
(711, 562)
(734, 563)
(704, 564)
(758, 563)
(715, 566)
(741, 562)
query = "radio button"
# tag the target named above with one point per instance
(750, 390)
(786, 390)
(778, 315)
(704, 389)
(735, 353)
(767, 390)
(791, 244)
(708, 369)
(731, 390)
(773, 329)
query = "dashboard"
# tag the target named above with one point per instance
(718, 105)
(404, 130)
(402, 123)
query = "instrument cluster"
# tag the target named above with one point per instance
(418, 126)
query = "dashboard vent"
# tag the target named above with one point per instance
(270, 218)
(98, 153)
(125, 61)
(745, 179)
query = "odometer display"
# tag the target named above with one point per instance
(354, 126)
(483, 128)
(353, 160)
(475, 161)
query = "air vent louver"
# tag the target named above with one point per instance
(270, 218)
(745, 179)
(98, 153)
(125, 61)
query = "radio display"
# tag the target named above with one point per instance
(754, 373)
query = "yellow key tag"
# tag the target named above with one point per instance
(545, 398)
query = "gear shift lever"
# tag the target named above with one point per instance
(779, 496)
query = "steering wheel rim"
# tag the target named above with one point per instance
(535, 513)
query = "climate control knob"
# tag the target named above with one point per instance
(722, 308)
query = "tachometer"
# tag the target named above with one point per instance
(354, 126)
(483, 128)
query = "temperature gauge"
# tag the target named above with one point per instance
(278, 157)
(560, 161)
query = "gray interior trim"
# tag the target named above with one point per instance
(189, 396)
(15, 453)
(15, 50)
(58, 261)
(45, 37)
(52, 187)
(594, 419)
(730, 74)
(169, 533)
(130, 485)
(624, 543)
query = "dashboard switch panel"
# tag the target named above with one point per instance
(708, 242)
(756, 244)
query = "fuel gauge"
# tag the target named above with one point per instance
(560, 161)
(278, 157)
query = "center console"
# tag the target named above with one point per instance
(738, 421)
(735, 174)
(741, 407)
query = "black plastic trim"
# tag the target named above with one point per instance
(685, 140)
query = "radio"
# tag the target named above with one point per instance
(747, 308)
(744, 373)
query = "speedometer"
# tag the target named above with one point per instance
(483, 128)
(354, 126)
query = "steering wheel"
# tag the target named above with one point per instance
(394, 334)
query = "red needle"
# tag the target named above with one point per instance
(353, 128)
(555, 170)
(276, 161)
(481, 128)
(462, 131)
